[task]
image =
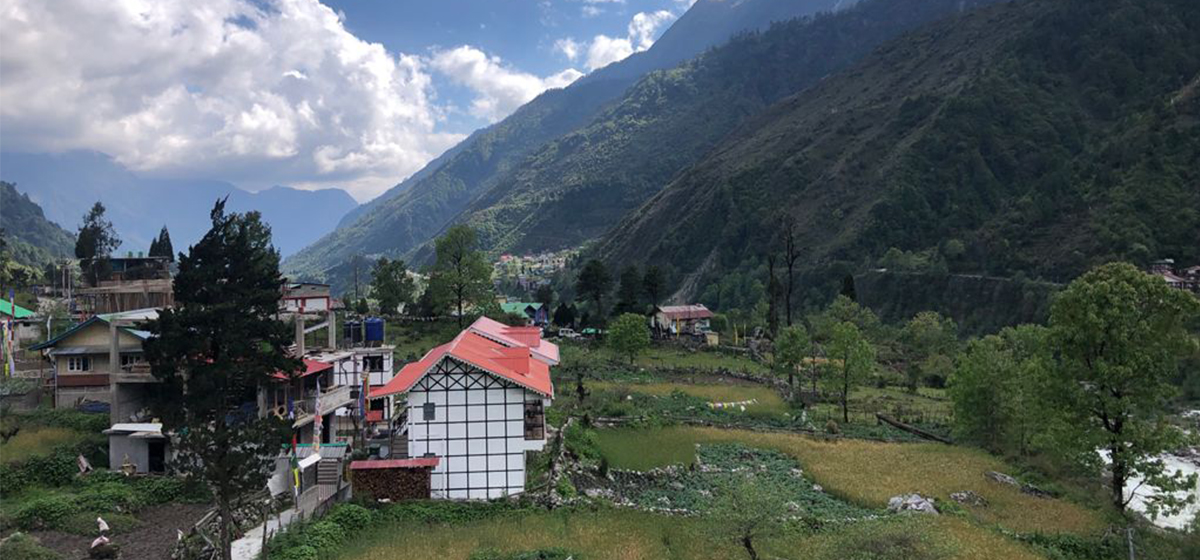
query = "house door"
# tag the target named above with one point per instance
(158, 456)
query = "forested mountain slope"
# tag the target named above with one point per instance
(1039, 136)
(578, 186)
(29, 237)
(417, 209)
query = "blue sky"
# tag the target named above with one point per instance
(311, 93)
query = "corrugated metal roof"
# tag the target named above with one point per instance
(7, 308)
(395, 464)
(685, 312)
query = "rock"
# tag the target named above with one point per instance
(1002, 478)
(969, 498)
(818, 488)
(793, 507)
(914, 503)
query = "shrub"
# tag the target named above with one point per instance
(108, 497)
(84, 523)
(25, 547)
(831, 427)
(554, 553)
(44, 512)
(350, 516)
(448, 512)
(325, 536)
(582, 443)
(565, 488)
(166, 489)
(302, 552)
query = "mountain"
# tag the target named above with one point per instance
(67, 184)
(30, 238)
(415, 210)
(576, 187)
(1032, 138)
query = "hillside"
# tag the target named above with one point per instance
(1044, 137)
(411, 213)
(30, 238)
(576, 187)
(67, 184)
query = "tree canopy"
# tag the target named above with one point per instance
(95, 243)
(629, 335)
(594, 284)
(211, 353)
(391, 285)
(460, 276)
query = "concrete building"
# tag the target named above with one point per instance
(143, 446)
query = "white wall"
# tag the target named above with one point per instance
(478, 431)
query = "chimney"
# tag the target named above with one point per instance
(299, 336)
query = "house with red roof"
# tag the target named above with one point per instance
(474, 405)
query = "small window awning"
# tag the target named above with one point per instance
(310, 461)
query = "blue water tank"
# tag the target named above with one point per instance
(374, 329)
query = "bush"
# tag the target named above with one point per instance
(108, 497)
(25, 547)
(166, 489)
(325, 536)
(564, 488)
(582, 442)
(302, 552)
(350, 517)
(448, 512)
(554, 553)
(45, 512)
(831, 428)
(84, 523)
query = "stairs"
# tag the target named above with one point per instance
(329, 471)
(399, 446)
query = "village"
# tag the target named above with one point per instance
(538, 407)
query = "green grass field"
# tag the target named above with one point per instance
(33, 442)
(767, 400)
(608, 534)
(867, 473)
(658, 356)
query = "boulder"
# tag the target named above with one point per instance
(912, 503)
(969, 498)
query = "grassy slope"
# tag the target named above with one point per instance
(629, 535)
(34, 240)
(868, 473)
(1048, 136)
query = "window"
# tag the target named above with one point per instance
(79, 363)
(373, 363)
(430, 411)
(130, 359)
(535, 420)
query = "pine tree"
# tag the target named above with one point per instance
(213, 351)
(95, 243)
(161, 246)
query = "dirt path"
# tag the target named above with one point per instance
(152, 540)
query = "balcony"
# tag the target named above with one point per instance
(330, 400)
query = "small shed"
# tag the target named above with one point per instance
(682, 319)
(143, 444)
(394, 479)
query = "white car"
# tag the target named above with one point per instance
(568, 333)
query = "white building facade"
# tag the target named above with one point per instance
(477, 404)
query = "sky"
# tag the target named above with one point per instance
(356, 94)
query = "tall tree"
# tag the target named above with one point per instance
(791, 347)
(1119, 335)
(930, 341)
(629, 335)
(213, 351)
(95, 243)
(545, 296)
(772, 296)
(564, 315)
(460, 276)
(629, 291)
(857, 357)
(161, 246)
(979, 388)
(594, 283)
(791, 255)
(653, 283)
(391, 285)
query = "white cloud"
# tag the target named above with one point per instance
(568, 47)
(498, 89)
(223, 88)
(643, 28)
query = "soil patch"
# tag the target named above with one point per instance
(153, 539)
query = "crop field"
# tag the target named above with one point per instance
(609, 534)
(866, 473)
(766, 399)
(661, 357)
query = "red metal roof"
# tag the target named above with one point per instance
(530, 337)
(503, 356)
(310, 367)
(395, 463)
